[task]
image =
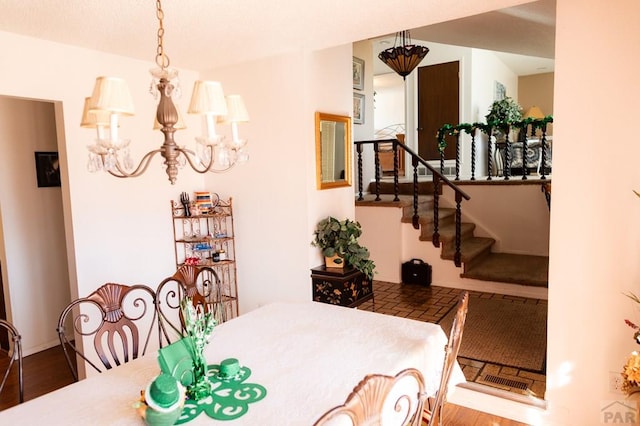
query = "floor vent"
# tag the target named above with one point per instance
(505, 382)
(448, 171)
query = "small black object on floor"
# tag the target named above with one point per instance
(415, 271)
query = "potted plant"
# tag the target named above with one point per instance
(339, 238)
(501, 115)
(504, 112)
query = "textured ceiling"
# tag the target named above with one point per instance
(204, 34)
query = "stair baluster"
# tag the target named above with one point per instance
(436, 212)
(376, 150)
(489, 130)
(415, 220)
(525, 169)
(457, 257)
(458, 155)
(359, 151)
(506, 169)
(473, 154)
(396, 166)
(543, 158)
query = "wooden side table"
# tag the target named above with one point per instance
(345, 287)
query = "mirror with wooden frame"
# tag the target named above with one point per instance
(333, 150)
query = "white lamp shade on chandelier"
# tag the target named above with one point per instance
(111, 94)
(112, 99)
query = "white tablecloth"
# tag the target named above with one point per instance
(309, 356)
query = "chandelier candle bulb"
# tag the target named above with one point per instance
(113, 128)
(212, 136)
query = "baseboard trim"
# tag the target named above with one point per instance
(521, 408)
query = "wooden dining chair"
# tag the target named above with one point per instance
(117, 320)
(433, 414)
(201, 284)
(13, 352)
(398, 400)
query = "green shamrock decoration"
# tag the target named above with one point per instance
(229, 398)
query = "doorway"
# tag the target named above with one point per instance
(35, 268)
(438, 104)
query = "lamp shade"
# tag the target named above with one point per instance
(111, 94)
(534, 112)
(403, 59)
(93, 118)
(237, 112)
(207, 98)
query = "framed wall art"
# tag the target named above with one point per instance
(358, 108)
(47, 169)
(499, 91)
(358, 73)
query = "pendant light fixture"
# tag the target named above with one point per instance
(404, 56)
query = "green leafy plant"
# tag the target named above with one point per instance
(340, 237)
(504, 112)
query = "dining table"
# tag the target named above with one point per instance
(306, 357)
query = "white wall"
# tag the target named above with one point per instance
(595, 232)
(276, 203)
(516, 216)
(34, 264)
(115, 230)
(388, 100)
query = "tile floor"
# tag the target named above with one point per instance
(431, 304)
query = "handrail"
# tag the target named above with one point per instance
(437, 177)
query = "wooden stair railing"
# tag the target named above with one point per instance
(438, 180)
(528, 126)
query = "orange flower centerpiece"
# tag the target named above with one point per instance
(631, 374)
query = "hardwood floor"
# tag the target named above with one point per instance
(43, 372)
(47, 371)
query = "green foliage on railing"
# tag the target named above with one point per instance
(487, 128)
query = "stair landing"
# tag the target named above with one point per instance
(510, 268)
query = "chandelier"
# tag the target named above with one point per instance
(111, 99)
(405, 57)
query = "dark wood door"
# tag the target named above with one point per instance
(438, 104)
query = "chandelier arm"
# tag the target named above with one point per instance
(208, 167)
(142, 166)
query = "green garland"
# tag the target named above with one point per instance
(450, 130)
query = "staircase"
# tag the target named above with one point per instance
(479, 261)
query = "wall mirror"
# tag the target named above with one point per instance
(333, 150)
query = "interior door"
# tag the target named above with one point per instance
(438, 104)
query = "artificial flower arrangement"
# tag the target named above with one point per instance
(631, 374)
(198, 326)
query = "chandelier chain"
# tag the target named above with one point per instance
(162, 60)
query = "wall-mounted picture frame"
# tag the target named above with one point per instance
(358, 73)
(47, 169)
(358, 108)
(499, 91)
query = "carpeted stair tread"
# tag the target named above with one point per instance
(470, 248)
(426, 216)
(511, 268)
(448, 232)
(387, 200)
(406, 188)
